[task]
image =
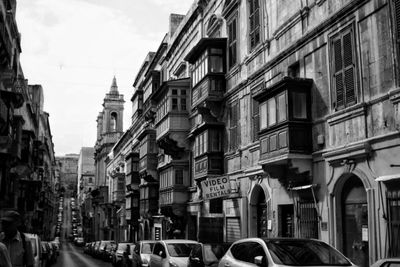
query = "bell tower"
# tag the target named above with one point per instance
(109, 129)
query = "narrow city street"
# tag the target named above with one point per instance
(71, 256)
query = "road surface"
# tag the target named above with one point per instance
(70, 255)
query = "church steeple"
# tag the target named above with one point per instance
(114, 87)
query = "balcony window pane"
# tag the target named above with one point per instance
(174, 103)
(299, 105)
(216, 64)
(183, 103)
(271, 111)
(282, 107)
(178, 176)
(263, 115)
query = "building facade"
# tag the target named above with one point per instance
(290, 108)
(27, 166)
(68, 166)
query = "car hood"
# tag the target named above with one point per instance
(181, 261)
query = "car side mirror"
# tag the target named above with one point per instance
(258, 260)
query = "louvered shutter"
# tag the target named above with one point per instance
(256, 120)
(396, 4)
(348, 59)
(338, 76)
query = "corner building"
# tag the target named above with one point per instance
(295, 102)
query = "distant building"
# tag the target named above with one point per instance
(68, 165)
(86, 171)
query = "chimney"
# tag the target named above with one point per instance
(174, 21)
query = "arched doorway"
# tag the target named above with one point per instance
(354, 208)
(259, 207)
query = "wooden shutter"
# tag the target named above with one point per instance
(396, 4)
(338, 76)
(256, 120)
(348, 60)
(233, 126)
(344, 78)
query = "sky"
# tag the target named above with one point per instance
(73, 48)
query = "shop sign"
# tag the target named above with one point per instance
(216, 187)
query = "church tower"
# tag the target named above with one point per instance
(109, 129)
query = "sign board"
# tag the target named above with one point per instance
(216, 187)
(157, 231)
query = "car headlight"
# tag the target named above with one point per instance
(173, 264)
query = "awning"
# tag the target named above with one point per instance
(303, 187)
(385, 178)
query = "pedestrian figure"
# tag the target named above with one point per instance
(4, 256)
(126, 261)
(19, 248)
(136, 259)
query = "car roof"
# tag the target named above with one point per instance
(175, 241)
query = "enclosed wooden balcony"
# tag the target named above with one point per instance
(285, 122)
(208, 68)
(176, 194)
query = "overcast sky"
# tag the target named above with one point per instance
(73, 48)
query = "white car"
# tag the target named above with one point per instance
(36, 249)
(171, 253)
(274, 252)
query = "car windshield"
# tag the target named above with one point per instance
(179, 249)
(147, 248)
(304, 253)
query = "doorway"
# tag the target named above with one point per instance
(262, 216)
(286, 220)
(355, 221)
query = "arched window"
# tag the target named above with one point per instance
(113, 122)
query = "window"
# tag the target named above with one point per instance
(232, 42)
(178, 176)
(199, 69)
(216, 60)
(216, 205)
(247, 251)
(201, 144)
(215, 142)
(282, 107)
(256, 120)
(113, 122)
(254, 18)
(271, 111)
(299, 105)
(233, 126)
(90, 180)
(174, 103)
(274, 110)
(183, 104)
(344, 69)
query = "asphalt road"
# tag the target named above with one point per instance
(70, 255)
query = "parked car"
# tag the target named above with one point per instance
(36, 249)
(144, 249)
(389, 262)
(102, 254)
(281, 252)
(109, 251)
(95, 249)
(203, 255)
(121, 248)
(173, 252)
(79, 241)
(46, 254)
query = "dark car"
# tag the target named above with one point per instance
(203, 255)
(109, 252)
(101, 253)
(119, 251)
